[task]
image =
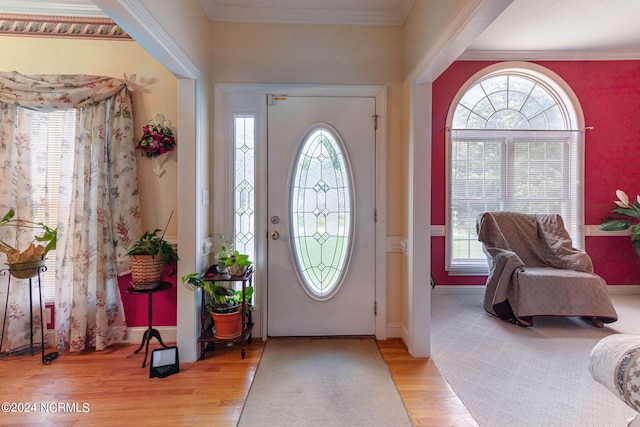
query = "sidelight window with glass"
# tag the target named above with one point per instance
(244, 184)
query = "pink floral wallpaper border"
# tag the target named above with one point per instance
(60, 26)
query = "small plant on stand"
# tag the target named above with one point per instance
(224, 304)
(26, 263)
(229, 259)
(148, 257)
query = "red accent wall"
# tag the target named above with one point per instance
(164, 303)
(609, 93)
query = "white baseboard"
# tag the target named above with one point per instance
(479, 290)
(459, 290)
(135, 334)
(624, 289)
(405, 334)
(394, 330)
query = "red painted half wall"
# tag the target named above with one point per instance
(609, 93)
(136, 307)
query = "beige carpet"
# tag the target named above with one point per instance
(323, 382)
(508, 376)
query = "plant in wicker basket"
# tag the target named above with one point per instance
(26, 263)
(148, 257)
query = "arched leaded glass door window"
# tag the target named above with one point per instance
(321, 212)
(514, 145)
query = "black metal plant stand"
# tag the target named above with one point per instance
(150, 332)
(31, 272)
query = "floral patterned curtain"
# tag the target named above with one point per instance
(99, 207)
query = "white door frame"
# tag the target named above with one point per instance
(230, 99)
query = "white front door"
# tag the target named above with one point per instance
(321, 208)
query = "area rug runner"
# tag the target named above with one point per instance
(510, 376)
(323, 382)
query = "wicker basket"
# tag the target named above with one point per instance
(146, 271)
(26, 270)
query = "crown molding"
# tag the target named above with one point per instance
(60, 26)
(550, 55)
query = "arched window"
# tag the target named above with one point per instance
(515, 143)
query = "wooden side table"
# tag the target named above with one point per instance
(150, 332)
(206, 335)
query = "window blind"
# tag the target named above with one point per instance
(509, 170)
(47, 131)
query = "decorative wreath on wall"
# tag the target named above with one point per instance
(157, 138)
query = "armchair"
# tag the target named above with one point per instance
(535, 271)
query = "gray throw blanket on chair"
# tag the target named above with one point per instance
(534, 270)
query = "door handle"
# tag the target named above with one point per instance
(275, 235)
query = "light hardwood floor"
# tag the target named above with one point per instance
(109, 388)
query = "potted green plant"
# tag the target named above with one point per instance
(625, 215)
(26, 263)
(148, 257)
(221, 248)
(237, 263)
(229, 259)
(225, 304)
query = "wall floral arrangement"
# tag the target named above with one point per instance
(158, 139)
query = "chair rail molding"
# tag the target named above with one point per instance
(397, 244)
(588, 230)
(594, 230)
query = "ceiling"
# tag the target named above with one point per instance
(551, 28)
(368, 12)
(563, 29)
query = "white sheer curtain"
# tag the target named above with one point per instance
(99, 212)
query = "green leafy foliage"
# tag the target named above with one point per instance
(625, 215)
(226, 255)
(152, 244)
(235, 257)
(616, 225)
(219, 299)
(47, 239)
